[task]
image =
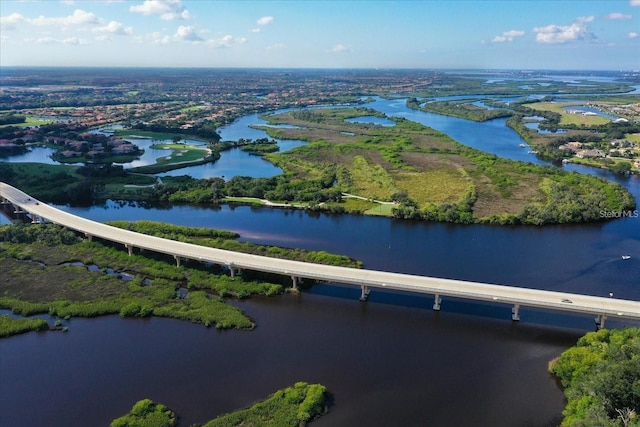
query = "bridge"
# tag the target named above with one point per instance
(516, 297)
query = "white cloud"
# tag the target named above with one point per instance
(226, 41)
(276, 46)
(616, 16)
(75, 41)
(10, 22)
(167, 9)
(188, 33)
(565, 33)
(634, 2)
(266, 20)
(114, 27)
(254, 30)
(339, 48)
(79, 17)
(633, 35)
(508, 36)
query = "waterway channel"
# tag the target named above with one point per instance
(390, 361)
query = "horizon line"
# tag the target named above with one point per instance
(113, 67)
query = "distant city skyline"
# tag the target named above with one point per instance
(459, 34)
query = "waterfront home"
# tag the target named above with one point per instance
(589, 154)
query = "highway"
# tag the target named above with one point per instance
(516, 297)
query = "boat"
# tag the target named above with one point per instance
(626, 256)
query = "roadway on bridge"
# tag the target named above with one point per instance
(512, 295)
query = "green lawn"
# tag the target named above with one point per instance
(569, 118)
(180, 153)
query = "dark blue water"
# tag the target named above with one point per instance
(390, 361)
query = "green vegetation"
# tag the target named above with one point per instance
(404, 171)
(11, 119)
(227, 240)
(291, 407)
(463, 108)
(85, 278)
(428, 175)
(182, 155)
(261, 147)
(10, 326)
(601, 376)
(156, 136)
(448, 84)
(593, 140)
(39, 280)
(566, 116)
(73, 184)
(48, 182)
(147, 413)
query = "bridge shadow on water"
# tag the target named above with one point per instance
(481, 310)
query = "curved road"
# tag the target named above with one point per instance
(516, 297)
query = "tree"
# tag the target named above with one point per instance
(622, 167)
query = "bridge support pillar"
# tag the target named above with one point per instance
(294, 280)
(600, 321)
(515, 312)
(365, 292)
(130, 249)
(88, 236)
(177, 258)
(436, 302)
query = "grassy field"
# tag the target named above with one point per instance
(444, 180)
(181, 153)
(633, 137)
(435, 186)
(159, 136)
(370, 180)
(31, 121)
(562, 108)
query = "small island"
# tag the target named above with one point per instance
(88, 278)
(293, 406)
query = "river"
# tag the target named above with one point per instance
(389, 361)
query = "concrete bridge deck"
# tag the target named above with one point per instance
(516, 297)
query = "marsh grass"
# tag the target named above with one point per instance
(435, 186)
(12, 326)
(291, 407)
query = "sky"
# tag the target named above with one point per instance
(431, 34)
